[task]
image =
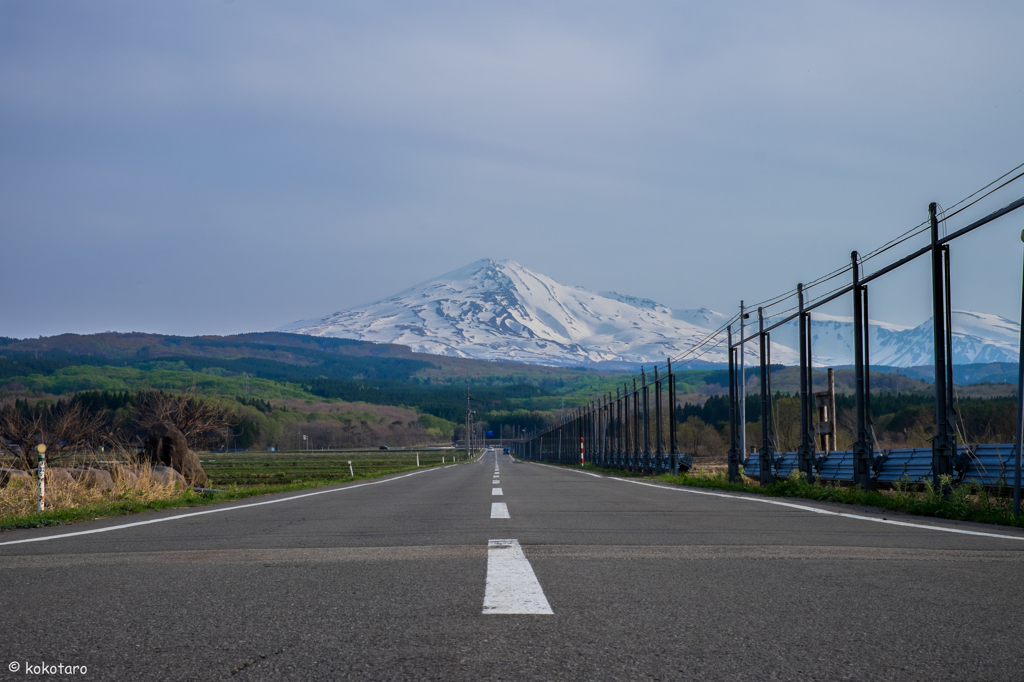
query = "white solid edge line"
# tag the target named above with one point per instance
(512, 586)
(212, 511)
(499, 510)
(859, 517)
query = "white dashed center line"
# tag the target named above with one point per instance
(512, 586)
(496, 491)
(499, 510)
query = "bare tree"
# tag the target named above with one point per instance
(63, 428)
(199, 419)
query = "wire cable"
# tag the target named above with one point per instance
(702, 347)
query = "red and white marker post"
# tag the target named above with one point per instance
(41, 449)
(581, 450)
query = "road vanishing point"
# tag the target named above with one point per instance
(499, 569)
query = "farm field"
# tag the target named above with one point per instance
(303, 467)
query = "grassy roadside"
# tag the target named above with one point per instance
(123, 502)
(965, 502)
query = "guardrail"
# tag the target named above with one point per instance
(991, 465)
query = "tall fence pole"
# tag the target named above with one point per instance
(609, 412)
(673, 446)
(862, 448)
(950, 403)
(942, 456)
(743, 384)
(659, 451)
(811, 411)
(634, 460)
(618, 427)
(1020, 404)
(805, 453)
(869, 429)
(734, 459)
(627, 451)
(766, 454)
(647, 419)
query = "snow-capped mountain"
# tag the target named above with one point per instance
(500, 310)
(977, 338)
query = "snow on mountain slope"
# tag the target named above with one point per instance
(977, 338)
(500, 310)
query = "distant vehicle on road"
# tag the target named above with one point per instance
(507, 451)
(383, 447)
(490, 449)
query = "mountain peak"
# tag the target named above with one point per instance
(501, 310)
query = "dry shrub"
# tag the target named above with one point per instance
(21, 499)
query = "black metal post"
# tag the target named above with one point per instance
(627, 429)
(942, 451)
(805, 453)
(869, 423)
(766, 454)
(623, 426)
(673, 442)
(634, 442)
(950, 402)
(595, 415)
(811, 411)
(647, 420)
(734, 459)
(605, 431)
(1020, 403)
(673, 445)
(634, 460)
(862, 448)
(657, 415)
(592, 430)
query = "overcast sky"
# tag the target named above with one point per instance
(211, 167)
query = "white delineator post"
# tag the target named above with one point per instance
(581, 450)
(350, 471)
(417, 459)
(42, 476)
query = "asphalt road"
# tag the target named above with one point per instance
(388, 581)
